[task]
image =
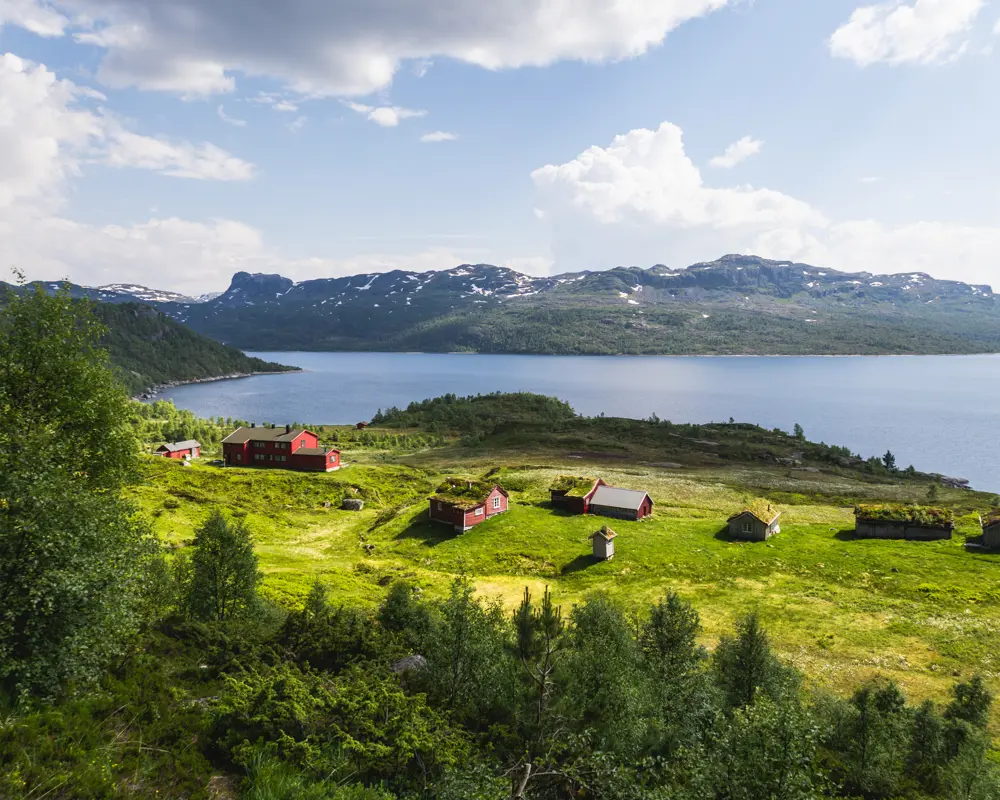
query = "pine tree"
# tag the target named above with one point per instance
(889, 461)
(746, 665)
(224, 573)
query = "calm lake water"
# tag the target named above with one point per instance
(940, 413)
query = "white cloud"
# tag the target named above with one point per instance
(439, 136)
(37, 17)
(44, 134)
(286, 105)
(239, 123)
(177, 159)
(870, 179)
(386, 116)
(339, 47)
(297, 124)
(897, 32)
(652, 206)
(646, 177)
(737, 153)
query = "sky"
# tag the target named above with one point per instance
(172, 144)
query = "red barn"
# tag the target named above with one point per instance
(181, 450)
(464, 504)
(278, 448)
(594, 496)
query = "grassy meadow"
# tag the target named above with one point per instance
(838, 608)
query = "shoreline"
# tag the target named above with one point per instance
(153, 392)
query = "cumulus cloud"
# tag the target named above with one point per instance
(737, 153)
(896, 32)
(652, 205)
(646, 176)
(346, 48)
(439, 136)
(386, 116)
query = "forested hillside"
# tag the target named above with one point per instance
(150, 349)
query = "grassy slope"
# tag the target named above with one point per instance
(841, 609)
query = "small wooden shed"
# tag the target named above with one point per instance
(756, 523)
(914, 523)
(991, 530)
(604, 543)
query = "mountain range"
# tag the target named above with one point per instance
(735, 305)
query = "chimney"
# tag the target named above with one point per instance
(288, 429)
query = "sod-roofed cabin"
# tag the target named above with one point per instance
(758, 522)
(991, 530)
(573, 494)
(463, 504)
(916, 523)
(183, 451)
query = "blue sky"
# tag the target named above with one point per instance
(173, 144)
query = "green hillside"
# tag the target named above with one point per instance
(150, 349)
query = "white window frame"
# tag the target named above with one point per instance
(748, 527)
(496, 503)
(480, 511)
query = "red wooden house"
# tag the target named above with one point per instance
(278, 448)
(464, 504)
(181, 450)
(594, 496)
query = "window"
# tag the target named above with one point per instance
(239, 456)
(259, 445)
(496, 503)
(480, 511)
(747, 527)
(302, 443)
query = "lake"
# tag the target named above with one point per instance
(940, 413)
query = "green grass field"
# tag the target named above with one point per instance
(838, 608)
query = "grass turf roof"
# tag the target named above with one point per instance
(463, 493)
(574, 486)
(917, 515)
(763, 510)
(991, 517)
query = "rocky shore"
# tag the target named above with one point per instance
(152, 392)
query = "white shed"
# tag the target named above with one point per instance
(604, 543)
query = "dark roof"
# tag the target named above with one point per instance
(915, 515)
(761, 510)
(173, 447)
(312, 451)
(242, 435)
(466, 494)
(991, 518)
(613, 497)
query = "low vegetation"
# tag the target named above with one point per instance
(915, 515)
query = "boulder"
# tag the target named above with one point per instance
(414, 663)
(352, 504)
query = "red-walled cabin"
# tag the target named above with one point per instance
(464, 504)
(181, 450)
(278, 448)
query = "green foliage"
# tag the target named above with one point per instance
(971, 702)
(72, 551)
(798, 432)
(359, 725)
(482, 413)
(889, 461)
(607, 690)
(917, 515)
(149, 349)
(224, 573)
(746, 666)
